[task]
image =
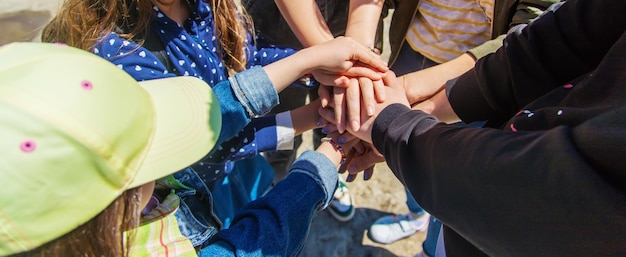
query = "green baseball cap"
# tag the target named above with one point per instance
(76, 132)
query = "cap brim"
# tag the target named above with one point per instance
(188, 122)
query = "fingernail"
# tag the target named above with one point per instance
(341, 140)
(367, 176)
(350, 177)
(370, 110)
(319, 123)
(355, 125)
(325, 130)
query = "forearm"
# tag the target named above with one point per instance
(503, 172)
(423, 84)
(305, 20)
(306, 117)
(439, 106)
(284, 72)
(363, 21)
(277, 223)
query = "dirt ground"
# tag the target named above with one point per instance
(380, 196)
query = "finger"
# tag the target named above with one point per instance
(353, 103)
(340, 106)
(379, 89)
(364, 161)
(327, 114)
(324, 95)
(351, 177)
(348, 142)
(391, 80)
(344, 166)
(346, 139)
(368, 173)
(321, 123)
(342, 81)
(363, 71)
(366, 56)
(359, 148)
(367, 92)
(331, 131)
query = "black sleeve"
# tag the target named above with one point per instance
(537, 58)
(528, 193)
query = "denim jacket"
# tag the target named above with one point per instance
(273, 225)
(277, 223)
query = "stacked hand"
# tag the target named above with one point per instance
(363, 156)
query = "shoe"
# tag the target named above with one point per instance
(391, 228)
(341, 207)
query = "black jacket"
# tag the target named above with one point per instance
(550, 180)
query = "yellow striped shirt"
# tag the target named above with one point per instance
(444, 29)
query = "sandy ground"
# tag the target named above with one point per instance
(22, 20)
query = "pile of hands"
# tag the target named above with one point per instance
(352, 96)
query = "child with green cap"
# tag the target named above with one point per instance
(83, 143)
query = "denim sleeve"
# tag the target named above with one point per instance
(277, 224)
(234, 117)
(254, 90)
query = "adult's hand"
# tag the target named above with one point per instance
(424, 84)
(361, 95)
(394, 93)
(343, 57)
(439, 106)
(335, 60)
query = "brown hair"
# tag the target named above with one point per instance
(107, 234)
(81, 23)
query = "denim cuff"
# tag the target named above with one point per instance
(254, 89)
(320, 169)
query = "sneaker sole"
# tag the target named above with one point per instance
(341, 218)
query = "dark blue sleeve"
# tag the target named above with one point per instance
(277, 224)
(265, 56)
(135, 60)
(142, 65)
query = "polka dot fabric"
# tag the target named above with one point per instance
(192, 49)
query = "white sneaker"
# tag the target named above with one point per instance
(391, 228)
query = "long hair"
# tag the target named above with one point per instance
(82, 23)
(107, 234)
(231, 27)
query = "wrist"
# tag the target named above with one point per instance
(331, 150)
(305, 117)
